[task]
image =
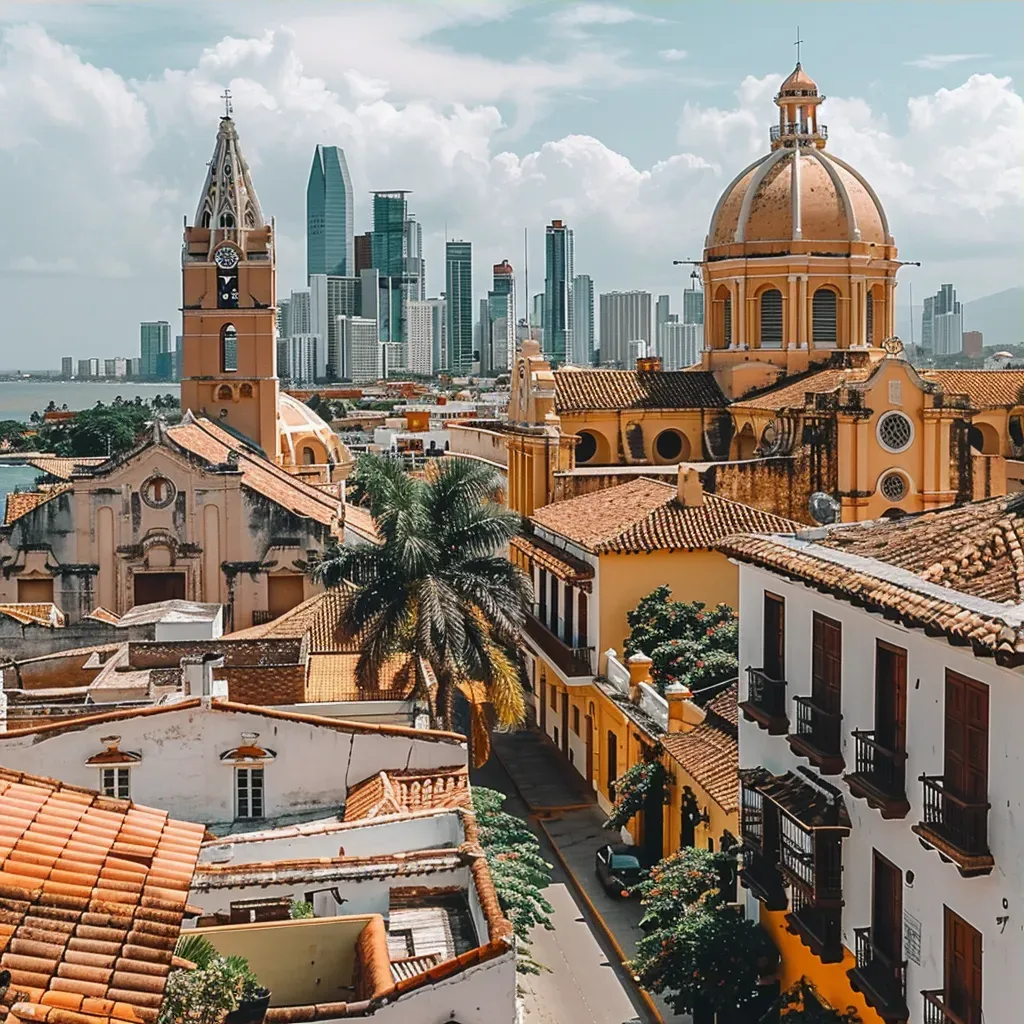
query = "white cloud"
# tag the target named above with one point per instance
(597, 14)
(938, 61)
(672, 54)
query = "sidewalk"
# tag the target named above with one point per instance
(553, 791)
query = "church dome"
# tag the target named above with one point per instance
(797, 192)
(305, 438)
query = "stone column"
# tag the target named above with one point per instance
(791, 338)
(803, 330)
(740, 313)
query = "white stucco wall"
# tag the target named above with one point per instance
(181, 771)
(979, 901)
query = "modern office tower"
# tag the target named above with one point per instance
(662, 312)
(283, 321)
(942, 323)
(361, 349)
(164, 365)
(558, 280)
(421, 345)
(364, 251)
(636, 349)
(481, 330)
(679, 345)
(625, 317)
(67, 367)
(300, 313)
(414, 267)
(281, 358)
(389, 245)
(459, 300)
(109, 368)
(303, 357)
(693, 306)
(154, 339)
(583, 320)
(330, 247)
(318, 320)
(178, 359)
(88, 368)
(438, 332)
(498, 322)
(537, 316)
(369, 294)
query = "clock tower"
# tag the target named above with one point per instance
(228, 301)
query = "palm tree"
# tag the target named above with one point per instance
(439, 585)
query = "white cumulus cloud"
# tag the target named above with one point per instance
(938, 61)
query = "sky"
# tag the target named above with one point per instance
(624, 120)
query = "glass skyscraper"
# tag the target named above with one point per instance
(397, 253)
(330, 248)
(459, 302)
(558, 281)
(583, 320)
(154, 342)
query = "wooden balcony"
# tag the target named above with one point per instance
(818, 924)
(955, 828)
(818, 736)
(761, 876)
(880, 776)
(940, 1010)
(881, 981)
(572, 662)
(766, 702)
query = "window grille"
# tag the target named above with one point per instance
(771, 319)
(248, 792)
(823, 318)
(116, 782)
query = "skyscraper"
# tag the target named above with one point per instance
(67, 367)
(625, 317)
(300, 316)
(583, 320)
(944, 329)
(537, 315)
(361, 349)
(693, 306)
(662, 312)
(421, 320)
(679, 345)
(558, 279)
(332, 296)
(363, 251)
(329, 211)
(397, 253)
(154, 341)
(459, 301)
(499, 340)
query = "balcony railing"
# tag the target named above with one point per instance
(760, 875)
(570, 661)
(262, 616)
(880, 775)
(957, 827)
(955, 1010)
(818, 736)
(880, 979)
(818, 924)
(802, 128)
(766, 702)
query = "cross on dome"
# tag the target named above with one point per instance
(226, 97)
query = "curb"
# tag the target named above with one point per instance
(529, 806)
(645, 996)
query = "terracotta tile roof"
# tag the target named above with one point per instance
(20, 503)
(644, 515)
(393, 792)
(38, 614)
(332, 677)
(101, 614)
(320, 616)
(787, 396)
(94, 891)
(561, 563)
(725, 706)
(957, 572)
(63, 468)
(987, 389)
(583, 390)
(201, 437)
(360, 521)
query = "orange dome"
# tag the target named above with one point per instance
(799, 83)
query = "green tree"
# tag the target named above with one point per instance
(635, 788)
(439, 585)
(519, 872)
(102, 430)
(12, 436)
(800, 1005)
(696, 950)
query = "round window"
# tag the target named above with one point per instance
(895, 432)
(893, 487)
(668, 444)
(158, 492)
(586, 449)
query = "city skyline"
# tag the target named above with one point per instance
(641, 202)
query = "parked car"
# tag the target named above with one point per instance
(618, 868)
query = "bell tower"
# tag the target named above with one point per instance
(228, 300)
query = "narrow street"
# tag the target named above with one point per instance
(584, 984)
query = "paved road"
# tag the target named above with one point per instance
(585, 984)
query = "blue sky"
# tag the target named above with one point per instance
(625, 119)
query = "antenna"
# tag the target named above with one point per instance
(797, 45)
(526, 281)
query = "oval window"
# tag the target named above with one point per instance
(586, 448)
(669, 445)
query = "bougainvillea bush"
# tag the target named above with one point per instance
(800, 1005)
(638, 784)
(686, 641)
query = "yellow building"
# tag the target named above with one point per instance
(592, 559)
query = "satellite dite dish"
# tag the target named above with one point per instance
(824, 508)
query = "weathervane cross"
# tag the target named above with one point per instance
(226, 97)
(797, 44)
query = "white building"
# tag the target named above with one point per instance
(636, 349)
(421, 319)
(300, 312)
(625, 317)
(361, 350)
(679, 345)
(583, 341)
(881, 760)
(303, 352)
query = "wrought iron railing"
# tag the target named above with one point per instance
(885, 769)
(821, 728)
(803, 128)
(573, 661)
(886, 977)
(957, 1009)
(261, 616)
(963, 823)
(765, 693)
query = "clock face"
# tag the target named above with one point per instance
(226, 258)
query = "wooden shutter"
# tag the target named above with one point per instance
(774, 659)
(887, 908)
(966, 736)
(891, 696)
(962, 975)
(827, 664)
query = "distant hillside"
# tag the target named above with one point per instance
(999, 317)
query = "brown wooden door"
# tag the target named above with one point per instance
(589, 730)
(565, 724)
(891, 696)
(774, 660)
(962, 981)
(887, 908)
(284, 593)
(613, 763)
(151, 587)
(966, 763)
(581, 621)
(827, 664)
(543, 702)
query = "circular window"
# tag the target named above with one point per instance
(586, 449)
(668, 444)
(895, 432)
(158, 492)
(893, 487)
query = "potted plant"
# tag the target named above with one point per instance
(253, 998)
(217, 989)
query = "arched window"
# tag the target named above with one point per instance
(224, 393)
(227, 220)
(771, 318)
(245, 391)
(727, 322)
(308, 456)
(206, 219)
(228, 349)
(824, 332)
(586, 448)
(869, 320)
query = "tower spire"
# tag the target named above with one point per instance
(228, 109)
(797, 45)
(228, 199)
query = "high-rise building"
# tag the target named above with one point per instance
(942, 323)
(364, 251)
(558, 278)
(302, 357)
(438, 310)
(498, 341)
(361, 349)
(154, 339)
(662, 312)
(926, 323)
(88, 368)
(109, 368)
(625, 317)
(318, 317)
(974, 344)
(693, 306)
(482, 334)
(67, 367)
(300, 312)
(390, 214)
(636, 349)
(283, 323)
(459, 300)
(679, 345)
(421, 318)
(537, 316)
(135, 368)
(584, 346)
(330, 245)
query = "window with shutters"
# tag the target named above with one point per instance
(959, 999)
(766, 686)
(116, 782)
(819, 717)
(249, 793)
(824, 318)
(727, 322)
(771, 318)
